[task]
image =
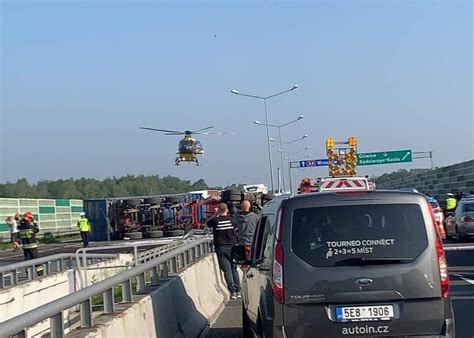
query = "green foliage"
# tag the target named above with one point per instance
(401, 173)
(84, 188)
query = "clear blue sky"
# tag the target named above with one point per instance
(79, 78)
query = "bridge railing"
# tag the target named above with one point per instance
(50, 265)
(147, 273)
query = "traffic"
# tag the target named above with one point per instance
(343, 258)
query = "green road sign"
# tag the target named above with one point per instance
(384, 157)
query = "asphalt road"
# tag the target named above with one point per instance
(461, 271)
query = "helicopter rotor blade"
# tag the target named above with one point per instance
(174, 134)
(217, 133)
(197, 131)
(164, 130)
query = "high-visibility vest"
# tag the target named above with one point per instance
(84, 225)
(28, 239)
(451, 203)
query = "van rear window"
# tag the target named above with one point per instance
(331, 236)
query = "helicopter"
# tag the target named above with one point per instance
(188, 148)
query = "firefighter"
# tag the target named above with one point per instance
(84, 228)
(27, 231)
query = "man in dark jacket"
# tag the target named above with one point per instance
(223, 227)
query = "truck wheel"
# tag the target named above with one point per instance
(133, 235)
(173, 199)
(268, 197)
(232, 195)
(155, 234)
(153, 200)
(131, 201)
(173, 233)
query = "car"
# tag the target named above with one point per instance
(438, 214)
(337, 264)
(464, 219)
(413, 190)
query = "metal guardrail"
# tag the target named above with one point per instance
(170, 262)
(50, 264)
(82, 252)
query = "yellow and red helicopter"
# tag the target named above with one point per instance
(188, 148)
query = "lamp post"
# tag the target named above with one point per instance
(288, 143)
(279, 126)
(265, 98)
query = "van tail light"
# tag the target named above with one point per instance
(443, 268)
(277, 280)
(277, 273)
(442, 264)
(468, 219)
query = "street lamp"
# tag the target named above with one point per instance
(294, 152)
(279, 126)
(265, 98)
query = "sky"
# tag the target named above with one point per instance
(79, 78)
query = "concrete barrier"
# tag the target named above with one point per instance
(26, 296)
(181, 306)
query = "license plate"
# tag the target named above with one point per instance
(360, 313)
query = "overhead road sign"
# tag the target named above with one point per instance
(310, 163)
(384, 157)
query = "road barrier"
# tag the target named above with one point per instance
(151, 272)
(50, 265)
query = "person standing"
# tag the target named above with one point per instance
(84, 229)
(247, 222)
(27, 231)
(451, 203)
(11, 221)
(223, 227)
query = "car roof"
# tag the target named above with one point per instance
(369, 197)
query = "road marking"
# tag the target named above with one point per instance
(467, 280)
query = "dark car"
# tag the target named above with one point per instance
(335, 264)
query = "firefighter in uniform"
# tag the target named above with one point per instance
(27, 231)
(84, 228)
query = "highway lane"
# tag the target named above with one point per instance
(461, 272)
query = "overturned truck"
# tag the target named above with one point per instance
(144, 217)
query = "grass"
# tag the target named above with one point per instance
(5, 246)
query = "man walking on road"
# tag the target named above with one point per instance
(84, 228)
(223, 226)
